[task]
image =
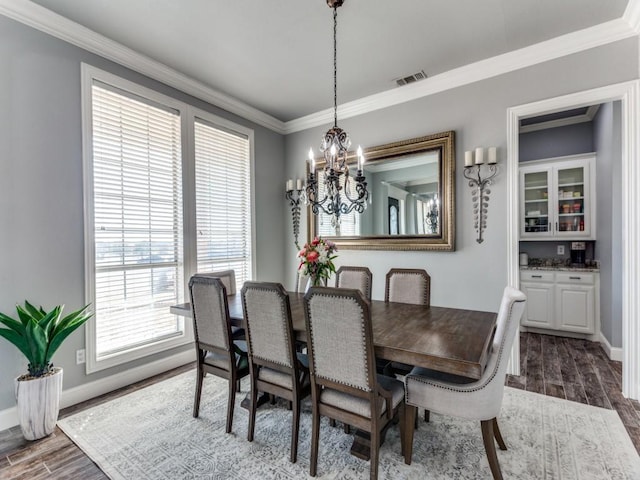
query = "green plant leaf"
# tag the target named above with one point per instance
(62, 324)
(19, 341)
(12, 324)
(24, 316)
(37, 343)
(62, 334)
(33, 311)
(49, 322)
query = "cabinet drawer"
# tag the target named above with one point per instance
(536, 276)
(576, 278)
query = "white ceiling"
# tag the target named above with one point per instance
(276, 55)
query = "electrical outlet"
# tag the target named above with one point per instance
(560, 249)
(80, 356)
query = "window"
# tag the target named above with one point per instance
(222, 200)
(144, 235)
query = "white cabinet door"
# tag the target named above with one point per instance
(557, 199)
(575, 307)
(539, 309)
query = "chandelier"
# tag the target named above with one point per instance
(341, 193)
(431, 216)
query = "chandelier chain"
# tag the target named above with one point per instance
(335, 66)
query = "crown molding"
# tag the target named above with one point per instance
(632, 15)
(60, 27)
(563, 45)
(46, 21)
(562, 122)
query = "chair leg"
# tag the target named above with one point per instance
(196, 401)
(427, 415)
(295, 429)
(374, 452)
(490, 448)
(498, 435)
(332, 422)
(403, 426)
(315, 439)
(230, 404)
(347, 428)
(253, 405)
(409, 425)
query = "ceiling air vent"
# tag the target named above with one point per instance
(411, 78)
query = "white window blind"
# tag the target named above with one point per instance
(137, 211)
(349, 224)
(223, 214)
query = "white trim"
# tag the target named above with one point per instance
(614, 353)
(629, 95)
(60, 27)
(562, 122)
(632, 15)
(563, 45)
(87, 391)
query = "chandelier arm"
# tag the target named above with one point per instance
(335, 65)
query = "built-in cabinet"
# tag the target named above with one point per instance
(557, 199)
(561, 300)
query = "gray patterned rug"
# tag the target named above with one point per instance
(150, 434)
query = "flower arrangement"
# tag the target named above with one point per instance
(316, 259)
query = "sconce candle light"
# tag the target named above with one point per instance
(295, 196)
(480, 175)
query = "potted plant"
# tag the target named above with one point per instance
(38, 334)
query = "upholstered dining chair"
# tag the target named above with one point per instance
(408, 285)
(339, 333)
(355, 277)
(466, 398)
(274, 365)
(228, 279)
(217, 352)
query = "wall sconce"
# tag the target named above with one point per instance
(295, 196)
(479, 178)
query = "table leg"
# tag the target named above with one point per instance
(361, 446)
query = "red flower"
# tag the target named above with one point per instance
(312, 256)
(315, 241)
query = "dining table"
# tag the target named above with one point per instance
(450, 340)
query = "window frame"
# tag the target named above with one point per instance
(188, 115)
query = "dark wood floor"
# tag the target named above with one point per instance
(561, 367)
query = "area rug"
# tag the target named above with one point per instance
(150, 434)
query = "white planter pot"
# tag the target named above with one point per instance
(38, 404)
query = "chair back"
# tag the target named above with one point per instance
(355, 277)
(210, 312)
(268, 326)
(408, 285)
(228, 278)
(340, 338)
(509, 316)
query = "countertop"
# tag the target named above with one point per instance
(562, 268)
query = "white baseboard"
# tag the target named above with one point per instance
(614, 353)
(87, 391)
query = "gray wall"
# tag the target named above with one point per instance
(556, 142)
(608, 145)
(474, 275)
(41, 198)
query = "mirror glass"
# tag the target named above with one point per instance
(411, 193)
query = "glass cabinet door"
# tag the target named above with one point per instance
(536, 203)
(571, 201)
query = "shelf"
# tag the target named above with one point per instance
(580, 214)
(576, 184)
(545, 200)
(534, 187)
(570, 199)
(536, 216)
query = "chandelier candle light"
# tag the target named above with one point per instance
(473, 171)
(342, 193)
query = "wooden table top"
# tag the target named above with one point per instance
(444, 339)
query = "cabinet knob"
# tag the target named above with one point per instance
(574, 278)
(536, 276)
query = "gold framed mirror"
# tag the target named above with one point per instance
(411, 187)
